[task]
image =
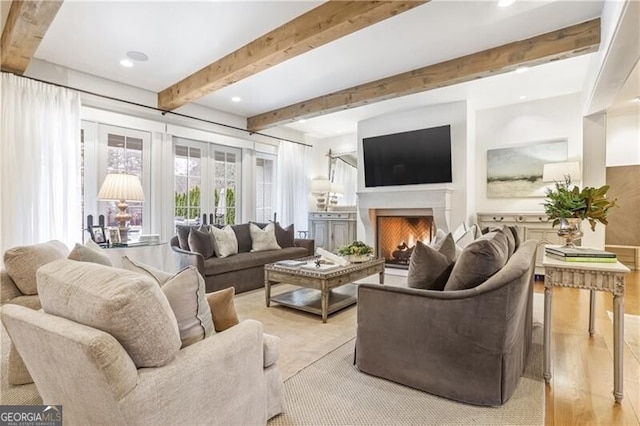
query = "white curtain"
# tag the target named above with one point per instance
(40, 163)
(347, 176)
(292, 200)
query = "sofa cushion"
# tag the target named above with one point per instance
(226, 243)
(185, 292)
(201, 241)
(478, 261)
(222, 308)
(438, 239)
(90, 252)
(21, 263)
(215, 266)
(125, 304)
(428, 268)
(263, 239)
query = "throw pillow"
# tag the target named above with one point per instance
(263, 239)
(185, 292)
(183, 236)
(223, 310)
(201, 241)
(438, 239)
(428, 268)
(21, 263)
(466, 238)
(285, 236)
(127, 305)
(90, 252)
(225, 242)
(479, 261)
(448, 247)
(243, 236)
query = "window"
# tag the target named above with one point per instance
(188, 177)
(206, 182)
(264, 184)
(124, 155)
(225, 169)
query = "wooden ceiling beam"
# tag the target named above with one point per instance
(26, 25)
(560, 44)
(327, 22)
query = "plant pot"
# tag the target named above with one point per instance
(570, 230)
(358, 258)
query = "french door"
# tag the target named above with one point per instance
(206, 182)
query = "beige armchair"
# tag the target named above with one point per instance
(22, 262)
(129, 367)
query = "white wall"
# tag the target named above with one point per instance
(623, 137)
(523, 124)
(454, 114)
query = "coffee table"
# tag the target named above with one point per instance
(322, 293)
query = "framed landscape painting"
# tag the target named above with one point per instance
(517, 172)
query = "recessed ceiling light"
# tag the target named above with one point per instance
(236, 99)
(137, 56)
(523, 97)
(520, 70)
(505, 3)
(126, 63)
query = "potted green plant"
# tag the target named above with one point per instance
(568, 206)
(357, 251)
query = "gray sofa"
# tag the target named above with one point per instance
(469, 345)
(243, 271)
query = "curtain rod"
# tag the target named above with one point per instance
(163, 112)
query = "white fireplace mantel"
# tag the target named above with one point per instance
(372, 203)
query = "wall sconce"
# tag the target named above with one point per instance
(320, 188)
(121, 187)
(556, 172)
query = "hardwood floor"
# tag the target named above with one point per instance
(580, 391)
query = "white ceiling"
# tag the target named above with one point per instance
(182, 37)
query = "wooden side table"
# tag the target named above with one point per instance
(594, 277)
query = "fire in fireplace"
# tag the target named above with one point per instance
(397, 237)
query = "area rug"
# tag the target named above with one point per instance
(331, 391)
(631, 332)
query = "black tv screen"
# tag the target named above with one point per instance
(408, 158)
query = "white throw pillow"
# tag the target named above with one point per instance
(438, 239)
(226, 243)
(467, 238)
(90, 252)
(263, 239)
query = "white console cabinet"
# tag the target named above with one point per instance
(331, 230)
(534, 226)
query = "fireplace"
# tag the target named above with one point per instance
(396, 237)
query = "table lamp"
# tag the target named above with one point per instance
(121, 187)
(320, 187)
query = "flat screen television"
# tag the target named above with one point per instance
(408, 158)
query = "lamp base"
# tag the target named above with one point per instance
(124, 234)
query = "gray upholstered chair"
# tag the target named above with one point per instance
(469, 345)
